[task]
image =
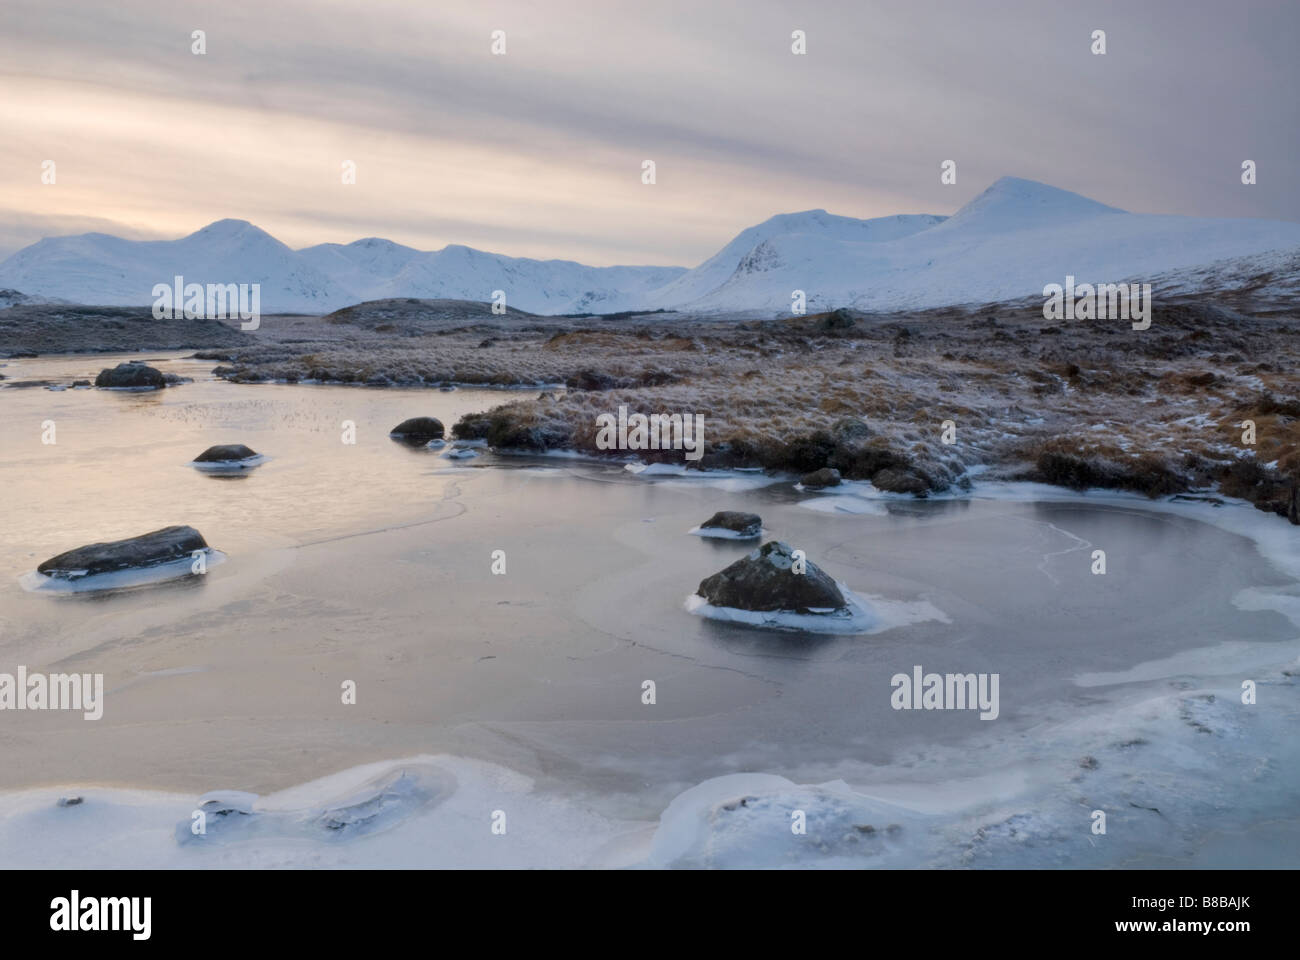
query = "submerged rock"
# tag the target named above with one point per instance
(765, 581)
(226, 453)
(418, 430)
(24, 384)
(232, 459)
(825, 477)
(741, 524)
(131, 374)
(146, 550)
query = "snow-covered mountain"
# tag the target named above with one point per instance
(361, 267)
(1010, 241)
(102, 269)
(538, 286)
(814, 224)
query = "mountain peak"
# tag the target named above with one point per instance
(1014, 202)
(375, 242)
(228, 229)
(788, 222)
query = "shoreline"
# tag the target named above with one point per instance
(913, 401)
(865, 453)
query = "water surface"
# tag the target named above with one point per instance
(372, 563)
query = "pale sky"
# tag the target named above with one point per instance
(538, 152)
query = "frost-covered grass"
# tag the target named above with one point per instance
(1076, 403)
(71, 328)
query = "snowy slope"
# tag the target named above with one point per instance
(538, 286)
(362, 267)
(813, 224)
(1008, 242)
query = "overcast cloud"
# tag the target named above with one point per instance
(538, 152)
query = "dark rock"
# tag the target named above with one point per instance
(825, 477)
(131, 374)
(504, 429)
(81, 383)
(225, 452)
(147, 550)
(764, 581)
(1293, 509)
(862, 462)
(893, 480)
(1147, 475)
(418, 429)
(745, 524)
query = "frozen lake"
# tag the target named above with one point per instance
(371, 563)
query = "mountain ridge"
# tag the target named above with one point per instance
(1008, 241)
